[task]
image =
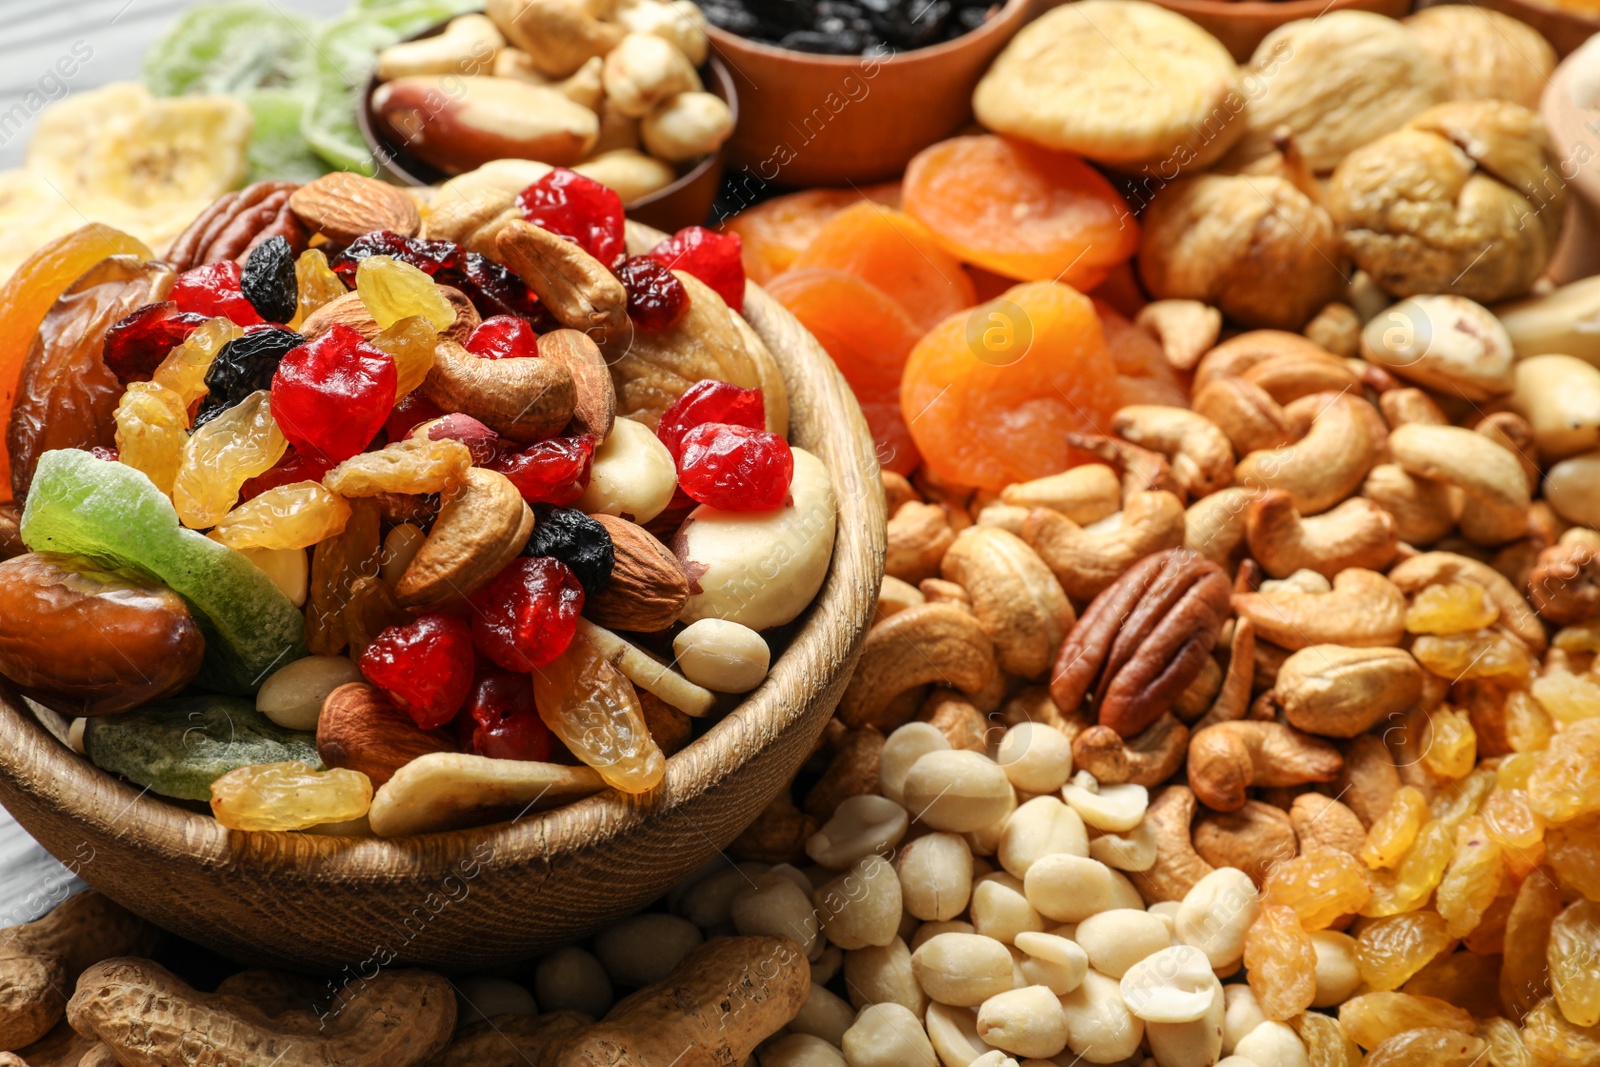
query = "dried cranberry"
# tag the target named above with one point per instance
(575, 539)
(245, 364)
(706, 401)
(332, 395)
(656, 298)
(293, 467)
(424, 666)
(430, 257)
(138, 342)
(411, 412)
(482, 442)
(213, 290)
(527, 614)
(714, 258)
(268, 280)
(555, 471)
(503, 337)
(500, 720)
(579, 209)
(735, 468)
(495, 290)
(105, 452)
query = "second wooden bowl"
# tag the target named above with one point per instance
(1241, 24)
(474, 899)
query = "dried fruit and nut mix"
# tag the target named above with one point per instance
(382, 486)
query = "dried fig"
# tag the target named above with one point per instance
(1487, 55)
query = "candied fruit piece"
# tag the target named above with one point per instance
(1451, 608)
(222, 455)
(152, 430)
(1449, 744)
(1465, 979)
(293, 467)
(1019, 210)
(137, 344)
(410, 412)
(428, 256)
(1392, 949)
(1509, 818)
(1524, 971)
(1472, 880)
(656, 298)
(991, 397)
(527, 614)
(406, 466)
(592, 708)
(269, 280)
(501, 720)
(315, 283)
(1564, 785)
(1320, 885)
(1392, 833)
(186, 366)
(243, 366)
(775, 232)
(503, 337)
(1574, 959)
(426, 667)
(410, 342)
(554, 471)
(297, 515)
(391, 290)
(1281, 960)
(1574, 854)
(1429, 1046)
(213, 289)
(714, 258)
(1474, 654)
(1566, 696)
(575, 539)
(735, 468)
(710, 401)
(1373, 1018)
(288, 796)
(578, 208)
(897, 254)
(1557, 1042)
(332, 394)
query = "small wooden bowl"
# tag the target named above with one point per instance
(1564, 28)
(685, 202)
(474, 899)
(1570, 108)
(832, 120)
(1241, 24)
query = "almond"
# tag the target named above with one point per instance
(361, 729)
(346, 310)
(647, 587)
(342, 206)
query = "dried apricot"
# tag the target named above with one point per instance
(991, 396)
(1143, 374)
(774, 232)
(897, 254)
(1020, 210)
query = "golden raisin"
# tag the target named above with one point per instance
(1475, 654)
(288, 796)
(1564, 785)
(1281, 960)
(1451, 608)
(1429, 1046)
(1410, 884)
(410, 343)
(1374, 1018)
(297, 515)
(1465, 979)
(1392, 833)
(407, 466)
(1449, 744)
(1574, 959)
(1524, 975)
(1556, 1041)
(1472, 879)
(1528, 726)
(1319, 885)
(1574, 854)
(1566, 696)
(1391, 950)
(1505, 1043)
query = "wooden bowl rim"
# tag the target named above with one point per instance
(1011, 14)
(37, 762)
(397, 162)
(1280, 11)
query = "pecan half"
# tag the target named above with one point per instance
(1143, 640)
(235, 223)
(1565, 584)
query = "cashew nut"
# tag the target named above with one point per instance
(1364, 609)
(1087, 562)
(1143, 470)
(525, 400)
(1233, 698)
(1244, 411)
(1253, 839)
(1016, 598)
(1400, 406)
(1200, 453)
(1214, 526)
(1341, 692)
(1497, 491)
(1147, 758)
(1178, 867)
(1228, 758)
(921, 645)
(1083, 494)
(1237, 355)
(482, 525)
(1437, 568)
(1323, 822)
(1294, 377)
(469, 45)
(579, 291)
(1186, 329)
(1422, 508)
(1337, 327)
(1324, 466)
(557, 35)
(918, 537)
(1369, 781)
(1356, 533)
(1511, 432)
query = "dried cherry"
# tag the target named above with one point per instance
(269, 282)
(245, 364)
(293, 467)
(715, 258)
(575, 539)
(214, 290)
(495, 290)
(735, 468)
(554, 471)
(500, 720)
(656, 298)
(430, 257)
(503, 337)
(426, 667)
(412, 411)
(105, 452)
(706, 401)
(578, 208)
(527, 614)
(331, 395)
(137, 343)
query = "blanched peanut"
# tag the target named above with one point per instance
(995, 1058)
(861, 826)
(643, 71)
(644, 949)
(823, 1015)
(958, 791)
(862, 906)
(722, 655)
(1052, 961)
(1025, 1022)
(930, 930)
(570, 979)
(1072, 888)
(1133, 851)
(1112, 808)
(1001, 910)
(1042, 827)
(935, 876)
(1338, 977)
(888, 1035)
(1273, 1044)
(292, 695)
(707, 901)
(775, 905)
(1241, 1014)
(1174, 985)
(686, 126)
(1117, 939)
(901, 750)
(1573, 488)
(800, 1050)
(1197, 1043)
(962, 969)
(1216, 913)
(954, 1033)
(883, 975)
(681, 22)
(1036, 757)
(633, 475)
(1099, 1024)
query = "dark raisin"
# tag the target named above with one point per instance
(430, 257)
(268, 280)
(656, 298)
(495, 290)
(575, 539)
(137, 344)
(244, 365)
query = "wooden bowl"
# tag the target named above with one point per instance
(832, 120)
(473, 899)
(685, 202)
(1241, 24)
(1570, 108)
(1564, 28)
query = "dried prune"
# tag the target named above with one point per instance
(137, 343)
(269, 282)
(575, 539)
(245, 365)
